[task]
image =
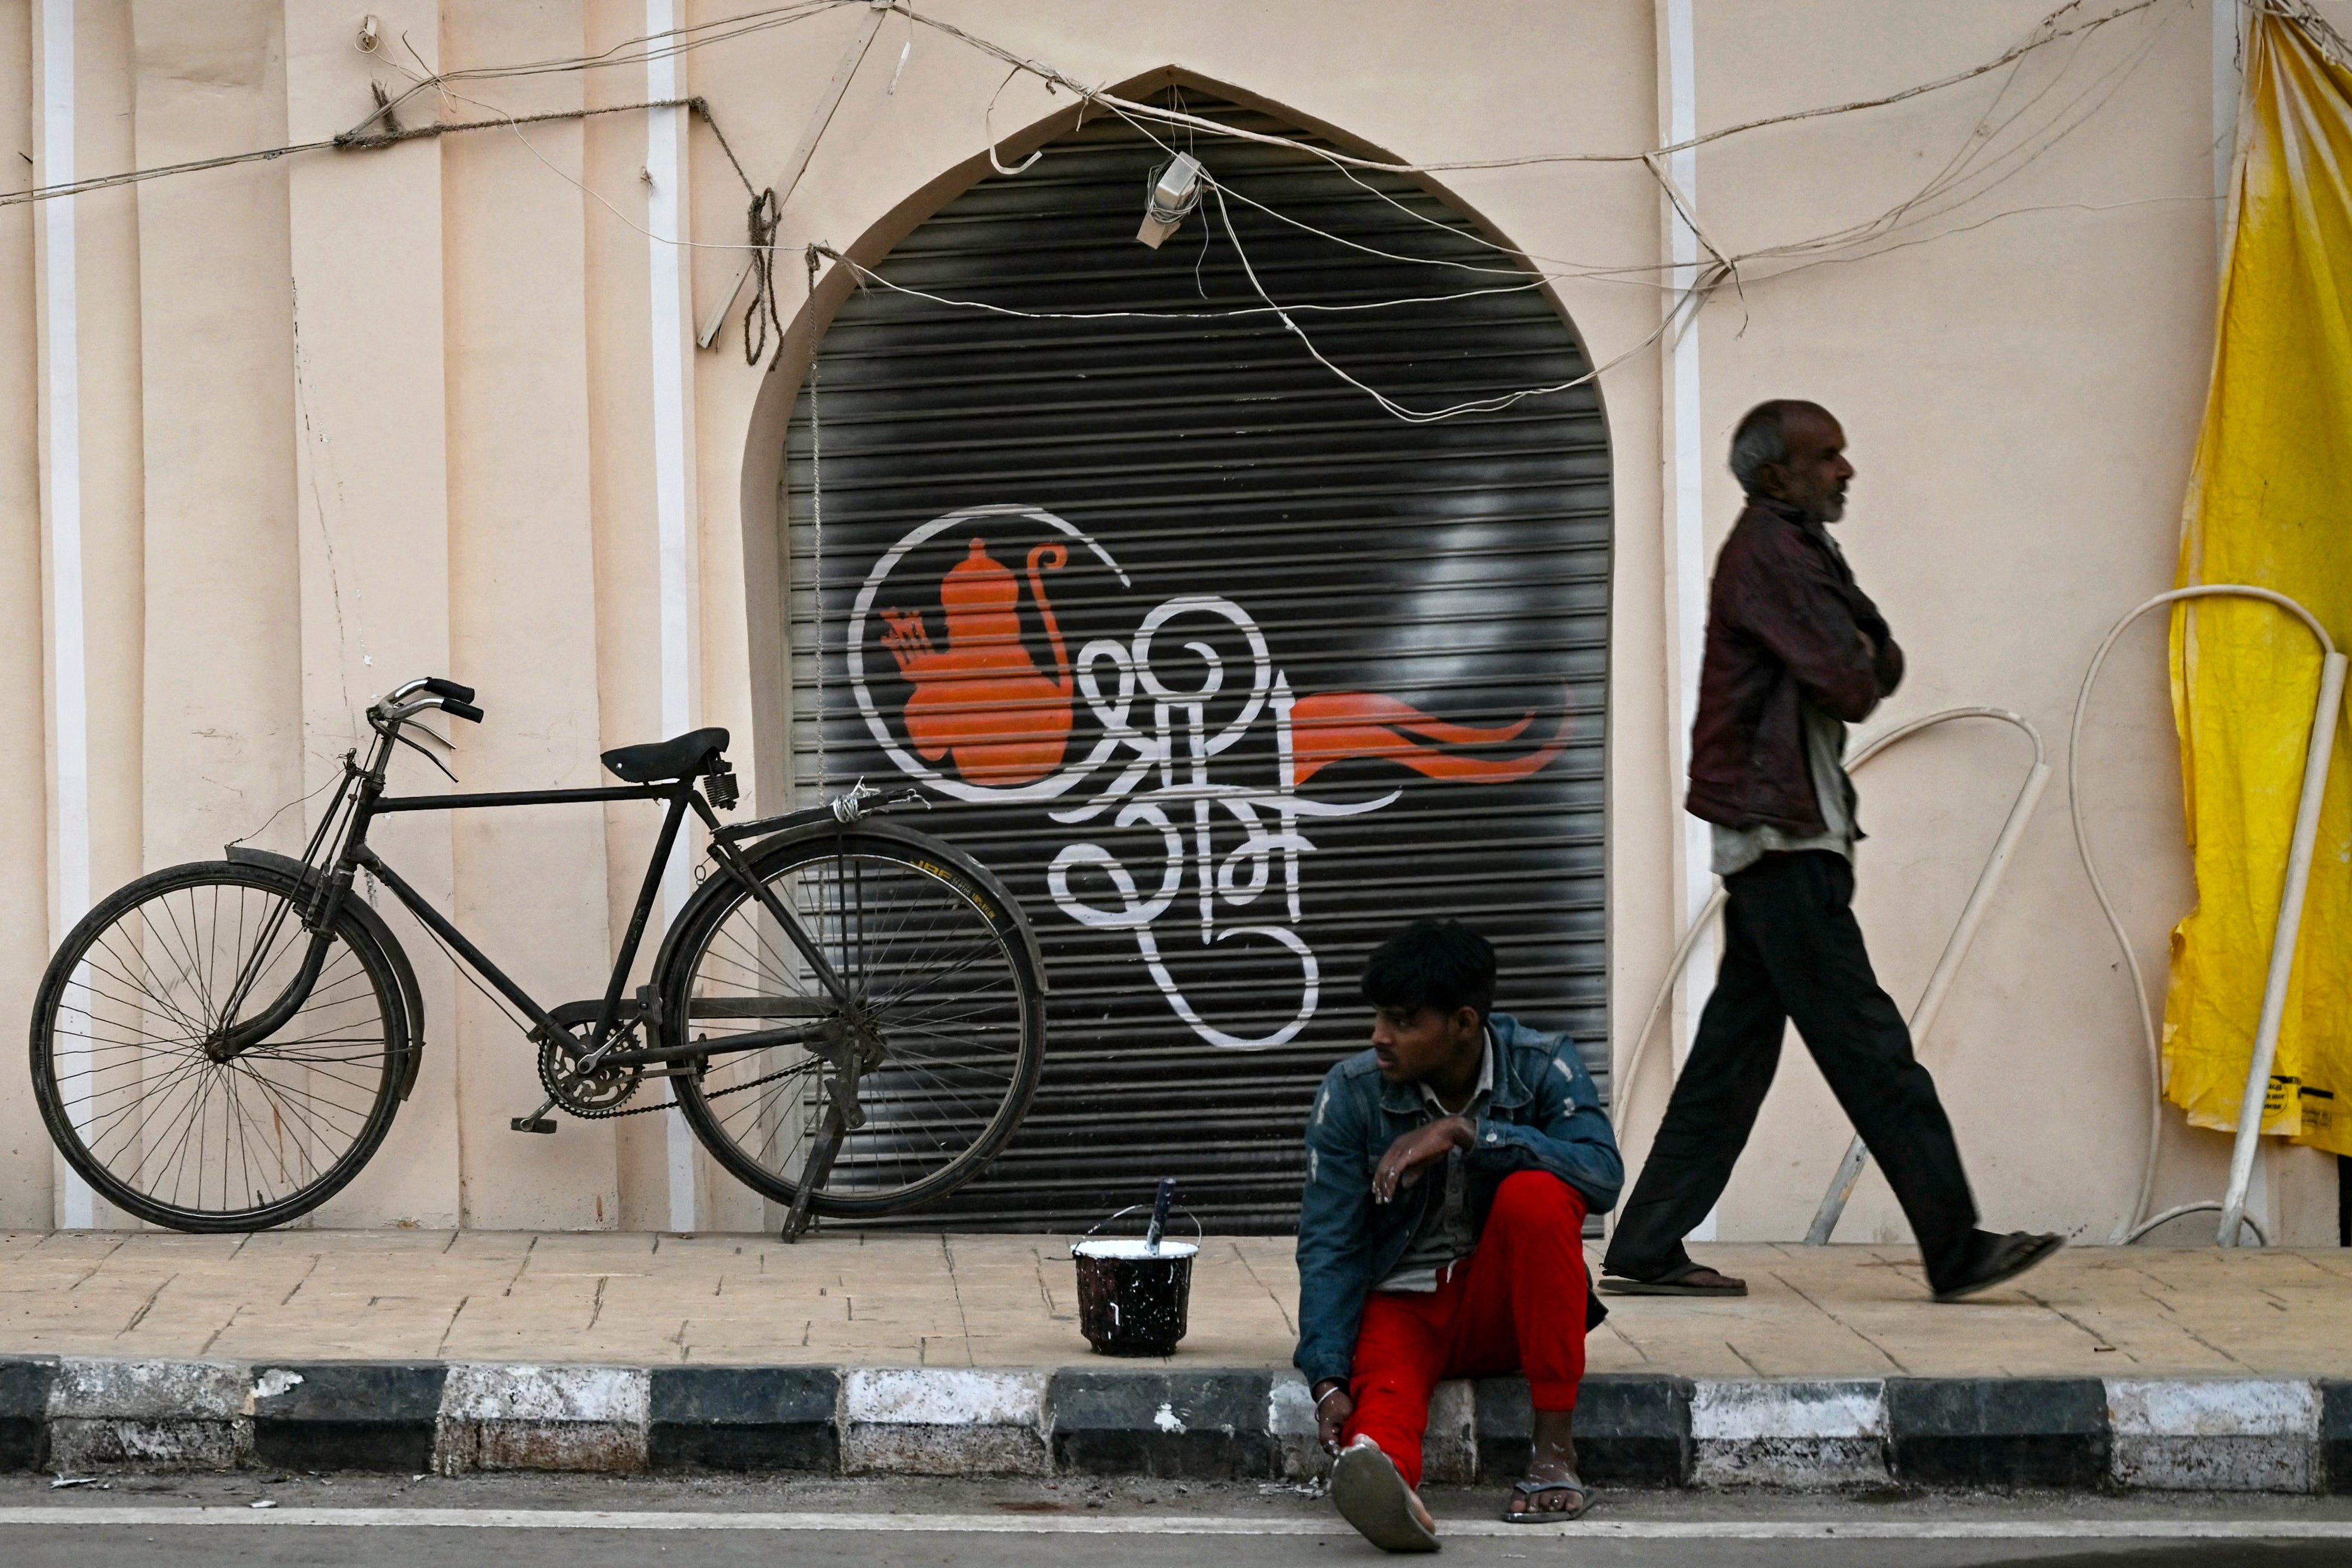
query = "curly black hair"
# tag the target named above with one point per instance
(1431, 962)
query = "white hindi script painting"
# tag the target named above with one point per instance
(986, 723)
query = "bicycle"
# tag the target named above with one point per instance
(849, 1013)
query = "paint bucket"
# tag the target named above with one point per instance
(1133, 1292)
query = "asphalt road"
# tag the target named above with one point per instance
(718, 1522)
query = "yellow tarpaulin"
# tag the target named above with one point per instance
(2270, 504)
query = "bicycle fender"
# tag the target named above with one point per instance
(411, 999)
(881, 828)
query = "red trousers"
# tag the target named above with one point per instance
(1515, 1304)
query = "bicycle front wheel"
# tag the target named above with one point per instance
(197, 1138)
(938, 977)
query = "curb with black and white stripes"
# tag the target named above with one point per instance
(77, 1414)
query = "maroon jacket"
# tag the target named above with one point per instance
(1780, 621)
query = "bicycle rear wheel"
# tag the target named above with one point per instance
(158, 1126)
(936, 968)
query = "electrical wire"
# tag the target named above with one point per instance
(682, 41)
(1405, 411)
(358, 138)
(868, 276)
(2048, 31)
(360, 141)
(1397, 409)
(761, 228)
(1965, 177)
(1950, 188)
(1962, 179)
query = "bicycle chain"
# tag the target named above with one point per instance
(672, 1104)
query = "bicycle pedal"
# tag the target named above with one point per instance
(532, 1123)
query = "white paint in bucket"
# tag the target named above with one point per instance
(1131, 1247)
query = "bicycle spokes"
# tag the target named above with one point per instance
(163, 1121)
(899, 1094)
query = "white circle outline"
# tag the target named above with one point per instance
(1044, 789)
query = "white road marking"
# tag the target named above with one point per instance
(1183, 1524)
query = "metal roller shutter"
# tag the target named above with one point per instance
(1222, 669)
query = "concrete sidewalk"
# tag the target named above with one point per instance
(928, 1354)
(843, 1298)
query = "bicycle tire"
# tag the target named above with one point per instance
(176, 948)
(943, 1105)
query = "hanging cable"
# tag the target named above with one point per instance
(1411, 415)
(1963, 178)
(2047, 32)
(868, 276)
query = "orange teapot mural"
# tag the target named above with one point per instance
(983, 702)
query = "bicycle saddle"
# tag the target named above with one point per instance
(676, 757)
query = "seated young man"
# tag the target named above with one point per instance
(1449, 1172)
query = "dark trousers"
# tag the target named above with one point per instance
(1792, 953)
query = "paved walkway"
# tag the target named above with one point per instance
(845, 1299)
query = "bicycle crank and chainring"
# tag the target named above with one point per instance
(591, 1095)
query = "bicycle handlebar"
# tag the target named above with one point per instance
(449, 697)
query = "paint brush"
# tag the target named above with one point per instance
(1160, 1213)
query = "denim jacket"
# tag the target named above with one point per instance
(1545, 1115)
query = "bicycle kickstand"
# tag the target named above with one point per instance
(812, 1175)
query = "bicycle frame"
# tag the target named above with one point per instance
(363, 793)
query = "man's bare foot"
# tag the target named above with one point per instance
(1551, 1487)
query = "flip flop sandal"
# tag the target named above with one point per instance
(1371, 1494)
(1532, 1489)
(1673, 1283)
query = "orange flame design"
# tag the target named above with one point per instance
(1340, 726)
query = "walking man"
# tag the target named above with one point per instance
(1449, 1170)
(1795, 651)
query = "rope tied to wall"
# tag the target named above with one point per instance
(761, 322)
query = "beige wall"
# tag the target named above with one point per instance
(348, 417)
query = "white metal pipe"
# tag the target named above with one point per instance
(1939, 983)
(666, 326)
(2128, 1226)
(1686, 515)
(2282, 942)
(76, 1207)
(2204, 1206)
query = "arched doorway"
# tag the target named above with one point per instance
(1223, 669)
